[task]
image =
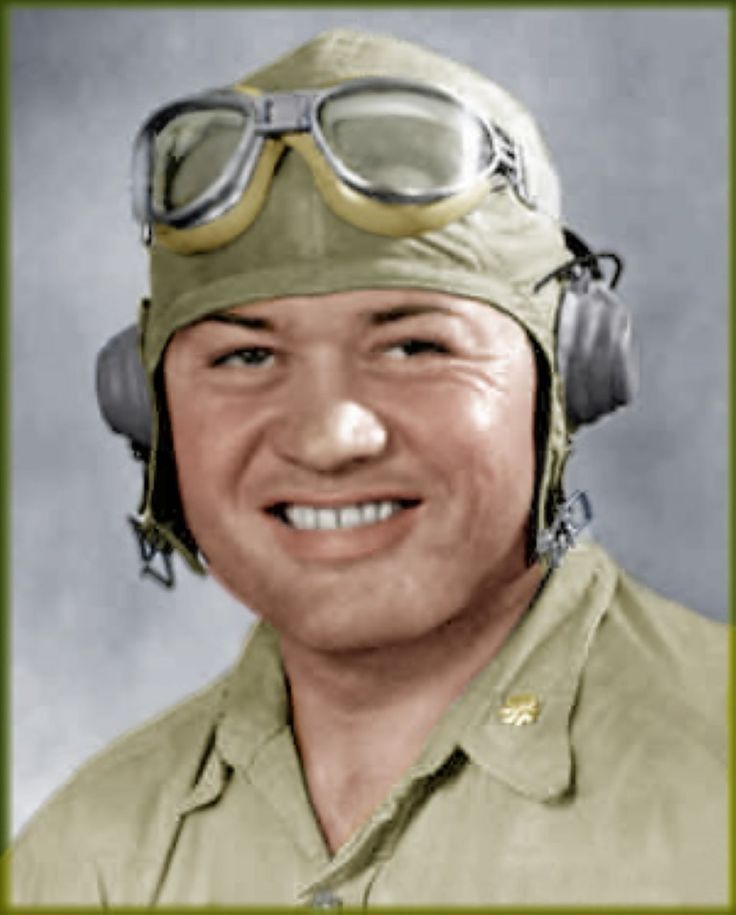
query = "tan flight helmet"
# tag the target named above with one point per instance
(297, 245)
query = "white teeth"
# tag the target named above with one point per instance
(385, 510)
(326, 519)
(303, 516)
(311, 518)
(349, 517)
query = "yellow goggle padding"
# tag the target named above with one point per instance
(221, 231)
(394, 220)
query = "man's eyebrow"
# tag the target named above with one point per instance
(397, 313)
(251, 322)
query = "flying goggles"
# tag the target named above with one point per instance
(392, 157)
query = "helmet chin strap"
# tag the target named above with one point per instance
(149, 547)
(570, 518)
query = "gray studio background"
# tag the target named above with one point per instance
(633, 104)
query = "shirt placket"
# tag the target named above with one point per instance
(345, 880)
(348, 878)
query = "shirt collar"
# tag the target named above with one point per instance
(255, 706)
(253, 709)
(543, 658)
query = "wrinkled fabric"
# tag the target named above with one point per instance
(298, 246)
(616, 794)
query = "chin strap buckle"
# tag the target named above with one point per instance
(150, 545)
(570, 518)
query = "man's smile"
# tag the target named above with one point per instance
(340, 529)
(345, 516)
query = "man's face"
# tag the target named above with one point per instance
(358, 468)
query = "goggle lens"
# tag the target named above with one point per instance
(191, 153)
(404, 143)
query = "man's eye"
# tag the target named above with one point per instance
(415, 347)
(247, 355)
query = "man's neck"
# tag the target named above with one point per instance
(362, 717)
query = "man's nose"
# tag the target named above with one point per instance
(332, 434)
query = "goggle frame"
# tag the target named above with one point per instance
(270, 115)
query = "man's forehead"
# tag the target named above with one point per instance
(369, 307)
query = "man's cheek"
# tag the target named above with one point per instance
(482, 400)
(472, 414)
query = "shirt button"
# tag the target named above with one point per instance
(324, 899)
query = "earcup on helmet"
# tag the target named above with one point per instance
(122, 388)
(595, 351)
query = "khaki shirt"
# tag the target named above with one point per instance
(604, 783)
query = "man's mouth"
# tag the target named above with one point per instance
(304, 517)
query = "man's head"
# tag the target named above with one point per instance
(298, 248)
(357, 466)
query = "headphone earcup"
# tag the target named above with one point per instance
(595, 352)
(122, 388)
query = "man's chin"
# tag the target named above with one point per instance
(343, 642)
(373, 624)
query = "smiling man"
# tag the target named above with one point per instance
(360, 464)
(368, 342)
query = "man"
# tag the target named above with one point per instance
(368, 342)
